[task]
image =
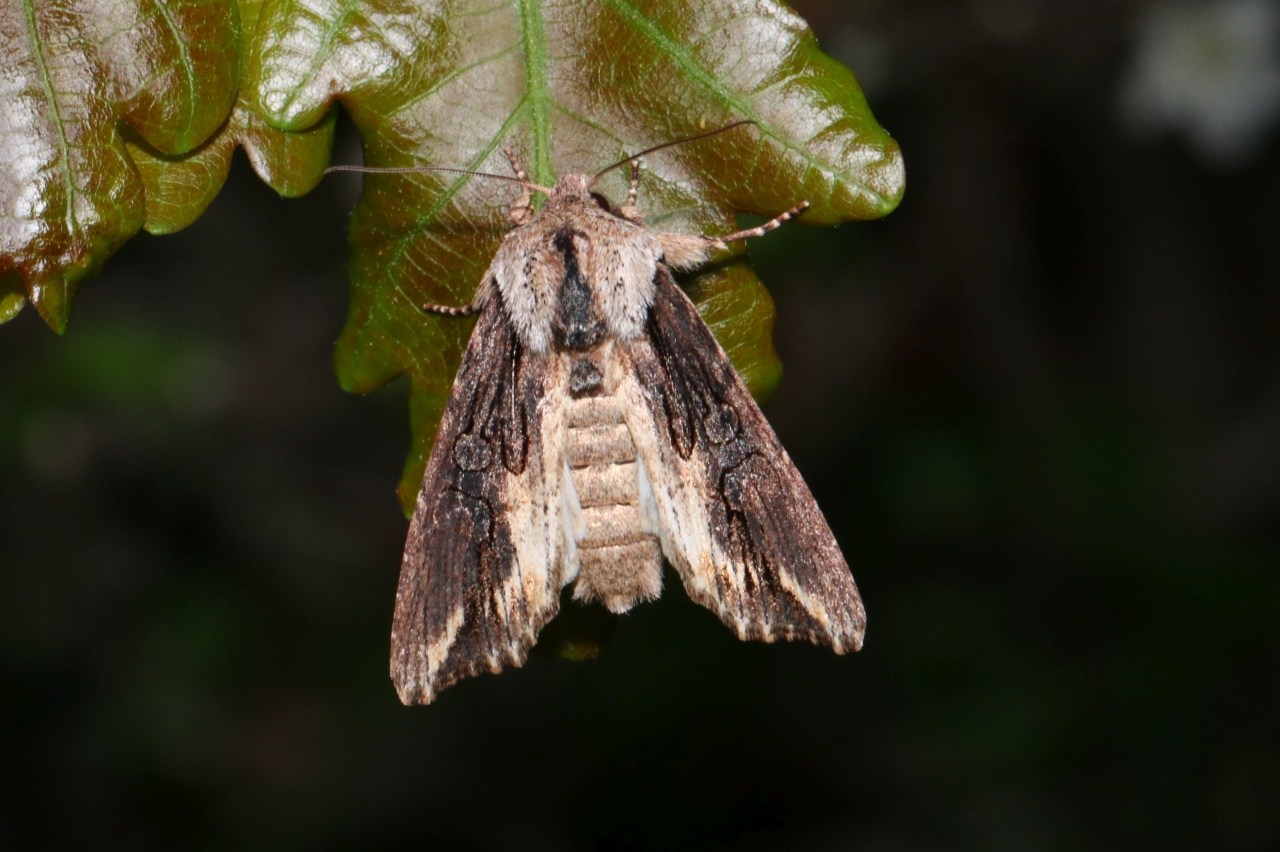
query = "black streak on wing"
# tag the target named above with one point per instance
(459, 552)
(762, 513)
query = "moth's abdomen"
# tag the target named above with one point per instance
(620, 559)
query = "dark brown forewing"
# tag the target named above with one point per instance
(778, 572)
(462, 607)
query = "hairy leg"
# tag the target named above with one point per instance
(767, 226)
(522, 210)
(685, 251)
(629, 210)
(472, 307)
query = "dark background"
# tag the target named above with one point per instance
(1040, 405)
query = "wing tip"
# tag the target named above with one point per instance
(841, 631)
(415, 689)
(842, 638)
(412, 694)
(851, 643)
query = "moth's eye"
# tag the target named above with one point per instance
(601, 201)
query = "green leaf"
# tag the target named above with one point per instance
(573, 87)
(12, 297)
(75, 74)
(179, 188)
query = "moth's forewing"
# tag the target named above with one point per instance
(475, 585)
(738, 522)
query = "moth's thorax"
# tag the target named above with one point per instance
(576, 250)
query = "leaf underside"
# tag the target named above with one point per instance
(124, 114)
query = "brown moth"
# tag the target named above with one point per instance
(596, 427)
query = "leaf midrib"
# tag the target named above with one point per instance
(534, 36)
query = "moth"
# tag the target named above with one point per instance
(595, 429)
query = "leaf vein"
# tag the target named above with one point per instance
(37, 52)
(402, 242)
(188, 66)
(322, 52)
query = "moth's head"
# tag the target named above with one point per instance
(570, 186)
(576, 189)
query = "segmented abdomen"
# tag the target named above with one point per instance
(621, 562)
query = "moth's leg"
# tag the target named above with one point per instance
(450, 310)
(629, 210)
(472, 307)
(634, 187)
(515, 164)
(684, 251)
(522, 210)
(767, 226)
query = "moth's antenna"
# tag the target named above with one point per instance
(634, 157)
(377, 170)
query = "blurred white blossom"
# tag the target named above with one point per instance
(1209, 70)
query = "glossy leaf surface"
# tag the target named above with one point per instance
(572, 86)
(75, 76)
(178, 189)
